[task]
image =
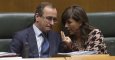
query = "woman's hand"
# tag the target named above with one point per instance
(65, 39)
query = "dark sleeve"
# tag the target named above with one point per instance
(16, 44)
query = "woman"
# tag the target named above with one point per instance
(82, 36)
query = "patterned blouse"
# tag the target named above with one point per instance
(94, 43)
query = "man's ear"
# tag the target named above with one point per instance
(36, 15)
(37, 18)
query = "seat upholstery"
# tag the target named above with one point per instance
(11, 23)
(4, 45)
(105, 21)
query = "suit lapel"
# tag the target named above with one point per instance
(51, 44)
(32, 41)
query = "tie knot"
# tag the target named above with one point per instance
(44, 35)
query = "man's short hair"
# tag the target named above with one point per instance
(40, 7)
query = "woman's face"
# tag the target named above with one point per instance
(72, 26)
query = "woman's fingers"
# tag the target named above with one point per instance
(68, 39)
(65, 38)
(62, 35)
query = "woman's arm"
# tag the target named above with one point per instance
(95, 42)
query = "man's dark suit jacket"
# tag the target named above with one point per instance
(24, 43)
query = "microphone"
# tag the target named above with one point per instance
(25, 53)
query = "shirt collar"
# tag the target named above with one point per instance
(36, 30)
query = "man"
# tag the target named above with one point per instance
(38, 40)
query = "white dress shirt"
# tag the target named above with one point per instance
(39, 38)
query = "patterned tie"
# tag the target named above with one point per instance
(45, 47)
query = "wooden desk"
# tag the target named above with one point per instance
(76, 57)
(91, 57)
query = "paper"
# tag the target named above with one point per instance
(6, 54)
(79, 53)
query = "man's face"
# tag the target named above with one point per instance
(47, 20)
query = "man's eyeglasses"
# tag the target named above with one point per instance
(50, 18)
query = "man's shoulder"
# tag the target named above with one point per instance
(53, 32)
(24, 31)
